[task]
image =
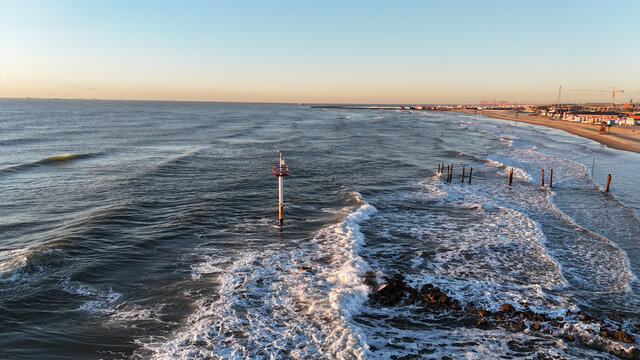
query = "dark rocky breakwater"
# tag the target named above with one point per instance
(607, 335)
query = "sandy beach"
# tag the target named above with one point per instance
(617, 137)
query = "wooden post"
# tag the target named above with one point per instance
(462, 175)
(510, 176)
(551, 179)
(280, 171)
(280, 201)
(451, 176)
(608, 182)
(438, 169)
(542, 177)
(448, 172)
(470, 172)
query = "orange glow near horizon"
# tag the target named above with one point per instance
(287, 53)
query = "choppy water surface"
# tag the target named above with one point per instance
(147, 230)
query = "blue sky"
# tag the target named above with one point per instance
(323, 51)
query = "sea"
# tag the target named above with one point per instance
(149, 230)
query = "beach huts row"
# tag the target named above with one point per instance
(609, 118)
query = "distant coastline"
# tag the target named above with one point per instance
(617, 137)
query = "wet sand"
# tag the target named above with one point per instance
(616, 137)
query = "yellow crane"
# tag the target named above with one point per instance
(613, 92)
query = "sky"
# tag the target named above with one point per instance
(409, 52)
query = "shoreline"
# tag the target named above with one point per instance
(616, 138)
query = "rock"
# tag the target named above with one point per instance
(370, 279)
(624, 336)
(481, 313)
(507, 308)
(392, 292)
(530, 315)
(483, 324)
(585, 318)
(535, 326)
(633, 353)
(426, 288)
(518, 325)
(622, 353)
(568, 337)
(304, 268)
(430, 298)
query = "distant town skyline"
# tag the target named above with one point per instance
(321, 52)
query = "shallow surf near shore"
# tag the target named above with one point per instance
(616, 137)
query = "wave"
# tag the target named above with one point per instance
(10, 262)
(21, 267)
(62, 159)
(485, 246)
(96, 301)
(293, 300)
(505, 231)
(518, 173)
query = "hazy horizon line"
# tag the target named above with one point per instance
(284, 102)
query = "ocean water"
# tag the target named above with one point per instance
(148, 230)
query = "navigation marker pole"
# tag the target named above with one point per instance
(279, 171)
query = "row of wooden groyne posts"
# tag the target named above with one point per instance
(450, 176)
(281, 170)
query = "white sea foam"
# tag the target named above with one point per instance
(10, 262)
(500, 253)
(26, 265)
(96, 301)
(493, 163)
(518, 174)
(210, 265)
(507, 142)
(283, 301)
(604, 263)
(487, 246)
(531, 162)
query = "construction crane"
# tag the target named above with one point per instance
(559, 91)
(613, 92)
